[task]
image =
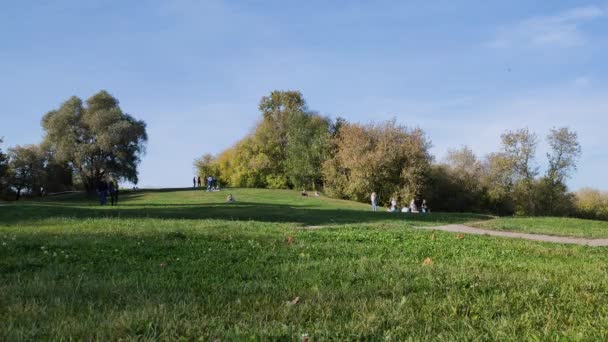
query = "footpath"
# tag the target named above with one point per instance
(459, 228)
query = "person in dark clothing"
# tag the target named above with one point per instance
(193, 182)
(113, 189)
(199, 181)
(102, 189)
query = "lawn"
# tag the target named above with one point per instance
(549, 225)
(170, 265)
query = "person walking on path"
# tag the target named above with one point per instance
(374, 201)
(193, 182)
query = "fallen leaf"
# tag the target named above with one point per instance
(163, 265)
(460, 236)
(290, 240)
(305, 338)
(433, 236)
(427, 262)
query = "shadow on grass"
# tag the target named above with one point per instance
(241, 211)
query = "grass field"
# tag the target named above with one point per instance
(171, 265)
(549, 225)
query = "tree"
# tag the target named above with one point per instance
(58, 176)
(387, 158)
(205, 166)
(463, 161)
(271, 138)
(26, 169)
(455, 185)
(497, 182)
(552, 192)
(307, 149)
(3, 170)
(592, 204)
(519, 149)
(96, 140)
(565, 151)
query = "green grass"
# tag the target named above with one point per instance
(185, 265)
(549, 225)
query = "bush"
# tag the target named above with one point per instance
(592, 204)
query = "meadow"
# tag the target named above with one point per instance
(185, 265)
(559, 226)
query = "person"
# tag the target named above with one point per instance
(374, 201)
(413, 207)
(424, 207)
(230, 199)
(405, 209)
(393, 208)
(193, 182)
(304, 193)
(209, 183)
(198, 180)
(113, 189)
(317, 194)
(102, 188)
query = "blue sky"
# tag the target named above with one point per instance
(464, 71)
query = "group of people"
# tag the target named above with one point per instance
(413, 207)
(105, 189)
(212, 184)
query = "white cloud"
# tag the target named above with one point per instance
(560, 30)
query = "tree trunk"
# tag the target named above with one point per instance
(18, 194)
(90, 185)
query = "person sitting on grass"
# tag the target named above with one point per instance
(424, 207)
(317, 194)
(230, 199)
(413, 206)
(393, 208)
(304, 193)
(405, 209)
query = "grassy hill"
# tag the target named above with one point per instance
(184, 264)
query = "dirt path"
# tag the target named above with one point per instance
(459, 228)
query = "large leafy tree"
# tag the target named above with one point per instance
(271, 139)
(565, 151)
(519, 148)
(26, 169)
(308, 148)
(97, 139)
(387, 158)
(552, 192)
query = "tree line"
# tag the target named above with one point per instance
(84, 143)
(294, 147)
